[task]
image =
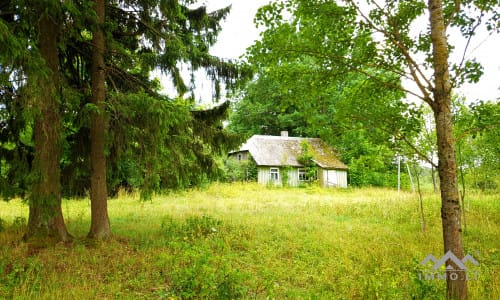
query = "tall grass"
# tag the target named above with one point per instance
(248, 241)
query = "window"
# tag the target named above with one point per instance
(274, 174)
(303, 175)
(307, 175)
(239, 156)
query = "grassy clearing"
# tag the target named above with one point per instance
(247, 241)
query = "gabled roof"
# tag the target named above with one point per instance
(284, 151)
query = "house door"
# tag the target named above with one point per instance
(331, 177)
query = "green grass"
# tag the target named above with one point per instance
(249, 241)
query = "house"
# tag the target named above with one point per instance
(278, 160)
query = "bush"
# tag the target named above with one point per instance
(237, 170)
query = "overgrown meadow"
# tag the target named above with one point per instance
(231, 241)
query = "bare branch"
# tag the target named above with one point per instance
(466, 49)
(420, 154)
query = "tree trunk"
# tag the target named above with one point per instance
(99, 228)
(462, 191)
(447, 167)
(46, 222)
(420, 198)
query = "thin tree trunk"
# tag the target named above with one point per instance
(447, 167)
(46, 222)
(434, 180)
(409, 176)
(99, 228)
(462, 192)
(433, 169)
(420, 198)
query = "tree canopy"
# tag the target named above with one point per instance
(141, 36)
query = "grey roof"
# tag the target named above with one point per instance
(283, 151)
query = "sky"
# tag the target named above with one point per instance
(239, 32)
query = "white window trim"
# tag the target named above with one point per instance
(274, 171)
(303, 171)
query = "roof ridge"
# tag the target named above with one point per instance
(284, 137)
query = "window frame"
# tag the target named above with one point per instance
(301, 172)
(274, 174)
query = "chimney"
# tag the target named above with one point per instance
(284, 133)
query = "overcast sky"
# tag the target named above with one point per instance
(239, 32)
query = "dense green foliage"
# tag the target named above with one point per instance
(322, 72)
(477, 128)
(240, 170)
(301, 87)
(248, 241)
(153, 141)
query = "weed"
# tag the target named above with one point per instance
(424, 289)
(191, 229)
(199, 274)
(21, 276)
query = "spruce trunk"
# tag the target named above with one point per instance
(99, 228)
(46, 222)
(450, 208)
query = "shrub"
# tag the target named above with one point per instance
(236, 170)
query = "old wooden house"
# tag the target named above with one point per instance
(279, 160)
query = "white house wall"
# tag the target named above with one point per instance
(334, 178)
(328, 178)
(264, 176)
(293, 177)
